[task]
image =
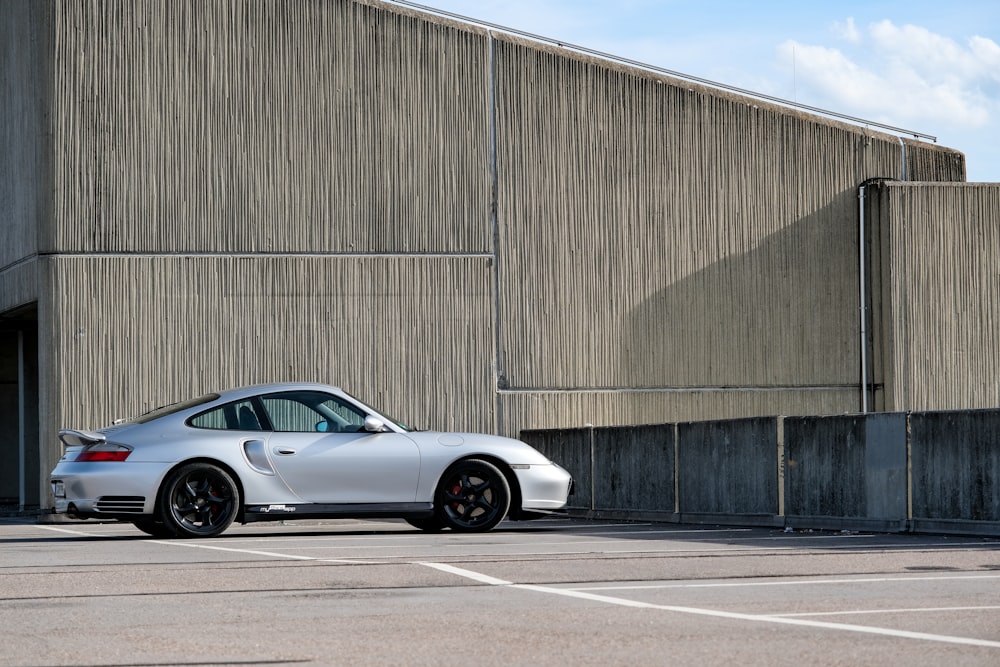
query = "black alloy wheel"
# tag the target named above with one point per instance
(198, 500)
(473, 496)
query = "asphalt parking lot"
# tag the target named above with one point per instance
(557, 592)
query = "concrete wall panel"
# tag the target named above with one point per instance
(956, 465)
(658, 234)
(849, 466)
(728, 467)
(634, 468)
(410, 335)
(19, 283)
(937, 296)
(277, 126)
(25, 183)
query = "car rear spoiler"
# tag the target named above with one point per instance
(72, 438)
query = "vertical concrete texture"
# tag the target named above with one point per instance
(936, 294)
(955, 459)
(846, 467)
(634, 468)
(25, 161)
(473, 230)
(728, 469)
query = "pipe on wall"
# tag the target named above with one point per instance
(864, 305)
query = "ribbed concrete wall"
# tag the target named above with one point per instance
(133, 333)
(25, 194)
(281, 126)
(657, 236)
(475, 231)
(936, 294)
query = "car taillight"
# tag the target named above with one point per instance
(104, 452)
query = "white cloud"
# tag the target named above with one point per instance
(904, 73)
(847, 31)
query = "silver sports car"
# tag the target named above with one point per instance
(296, 451)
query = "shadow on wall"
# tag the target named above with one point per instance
(784, 313)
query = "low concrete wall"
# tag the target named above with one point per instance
(886, 472)
(955, 462)
(728, 471)
(846, 472)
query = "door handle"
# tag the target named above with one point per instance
(284, 451)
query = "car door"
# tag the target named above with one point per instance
(321, 450)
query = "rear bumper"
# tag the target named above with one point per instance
(111, 490)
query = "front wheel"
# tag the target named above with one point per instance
(473, 496)
(198, 500)
(153, 527)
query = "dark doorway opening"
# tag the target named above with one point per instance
(20, 475)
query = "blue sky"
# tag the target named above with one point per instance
(930, 67)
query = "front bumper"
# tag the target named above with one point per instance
(544, 487)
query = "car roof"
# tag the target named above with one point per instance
(269, 388)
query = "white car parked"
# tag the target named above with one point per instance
(296, 451)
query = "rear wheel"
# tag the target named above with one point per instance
(429, 524)
(473, 496)
(198, 500)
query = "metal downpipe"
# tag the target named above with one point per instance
(862, 289)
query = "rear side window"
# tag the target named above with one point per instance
(238, 416)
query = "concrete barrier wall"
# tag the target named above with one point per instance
(847, 472)
(634, 467)
(955, 460)
(728, 469)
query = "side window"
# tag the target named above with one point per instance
(288, 412)
(239, 416)
(312, 411)
(344, 416)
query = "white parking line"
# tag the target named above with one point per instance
(267, 554)
(67, 531)
(211, 547)
(887, 611)
(843, 627)
(800, 582)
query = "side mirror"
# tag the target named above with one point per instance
(374, 424)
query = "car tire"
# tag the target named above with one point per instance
(153, 527)
(472, 497)
(428, 524)
(198, 500)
